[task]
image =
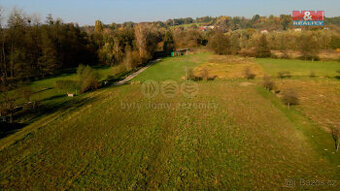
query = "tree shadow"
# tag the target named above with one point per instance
(7, 129)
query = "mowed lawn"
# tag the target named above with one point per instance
(229, 137)
(299, 68)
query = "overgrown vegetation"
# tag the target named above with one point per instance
(248, 74)
(290, 97)
(284, 74)
(69, 85)
(219, 43)
(268, 83)
(262, 48)
(88, 78)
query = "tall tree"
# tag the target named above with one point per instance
(169, 43)
(262, 49)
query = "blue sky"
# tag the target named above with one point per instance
(87, 11)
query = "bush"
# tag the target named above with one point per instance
(205, 74)
(289, 97)
(26, 92)
(88, 78)
(268, 83)
(67, 84)
(192, 76)
(248, 74)
(338, 71)
(284, 74)
(312, 74)
(247, 52)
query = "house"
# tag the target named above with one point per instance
(206, 28)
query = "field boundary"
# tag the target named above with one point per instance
(320, 140)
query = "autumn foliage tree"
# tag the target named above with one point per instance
(262, 48)
(219, 43)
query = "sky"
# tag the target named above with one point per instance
(86, 12)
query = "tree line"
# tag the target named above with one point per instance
(33, 49)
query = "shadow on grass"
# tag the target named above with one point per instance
(9, 128)
(52, 98)
(42, 111)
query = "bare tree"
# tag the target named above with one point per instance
(141, 32)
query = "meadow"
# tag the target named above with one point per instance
(233, 135)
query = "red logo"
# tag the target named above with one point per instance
(308, 15)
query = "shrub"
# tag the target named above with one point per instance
(205, 74)
(247, 52)
(192, 76)
(67, 84)
(312, 74)
(289, 97)
(132, 60)
(88, 78)
(248, 74)
(268, 83)
(284, 74)
(26, 92)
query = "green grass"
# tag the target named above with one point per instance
(299, 67)
(172, 68)
(243, 139)
(52, 98)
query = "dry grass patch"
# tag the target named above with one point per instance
(226, 67)
(319, 99)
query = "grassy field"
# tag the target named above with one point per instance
(233, 135)
(51, 98)
(299, 68)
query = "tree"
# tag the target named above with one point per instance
(169, 43)
(262, 48)
(219, 43)
(48, 62)
(147, 38)
(285, 21)
(234, 43)
(335, 42)
(88, 78)
(308, 46)
(141, 33)
(7, 101)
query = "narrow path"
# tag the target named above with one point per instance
(131, 76)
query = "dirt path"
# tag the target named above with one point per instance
(131, 76)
